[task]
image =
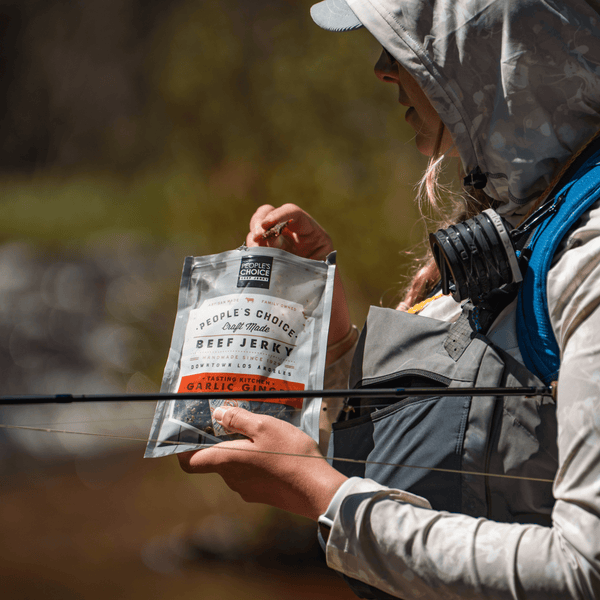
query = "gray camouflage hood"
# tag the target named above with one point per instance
(517, 82)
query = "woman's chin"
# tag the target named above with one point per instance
(425, 144)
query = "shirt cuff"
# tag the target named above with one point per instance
(329, 515)
(326, 519)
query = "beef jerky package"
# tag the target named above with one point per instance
(251, 319)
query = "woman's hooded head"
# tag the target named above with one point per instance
(516, 82)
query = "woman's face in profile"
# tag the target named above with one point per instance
(421, 115)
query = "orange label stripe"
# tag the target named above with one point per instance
(237, 382)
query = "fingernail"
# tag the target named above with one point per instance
(219, 414)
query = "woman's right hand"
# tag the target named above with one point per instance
(302, 235)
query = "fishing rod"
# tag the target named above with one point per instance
(280, 395)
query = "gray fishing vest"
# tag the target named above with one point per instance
(499, 435)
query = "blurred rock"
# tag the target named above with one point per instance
(82, 324)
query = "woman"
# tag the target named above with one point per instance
(513, 88)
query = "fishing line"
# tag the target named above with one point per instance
(272, 452)
(113, 420)
(148, 418)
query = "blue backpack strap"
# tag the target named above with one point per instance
(534, 332)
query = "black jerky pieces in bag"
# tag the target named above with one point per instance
(247, 320)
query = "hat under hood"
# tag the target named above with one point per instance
(516, 82)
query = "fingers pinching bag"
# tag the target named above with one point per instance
(247, 320)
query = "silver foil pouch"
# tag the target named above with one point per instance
(251, 319)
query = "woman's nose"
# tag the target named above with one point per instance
(386, 68)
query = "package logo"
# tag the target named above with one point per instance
(255, 271)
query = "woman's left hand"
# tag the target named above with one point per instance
(261, 469)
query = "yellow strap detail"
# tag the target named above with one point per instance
(421, 305)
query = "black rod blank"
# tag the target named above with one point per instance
(274, 395)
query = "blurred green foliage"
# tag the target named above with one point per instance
(163, 125)
(247, 103)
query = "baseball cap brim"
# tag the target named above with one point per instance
(334, 15)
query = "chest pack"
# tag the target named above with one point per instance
(492, 457)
